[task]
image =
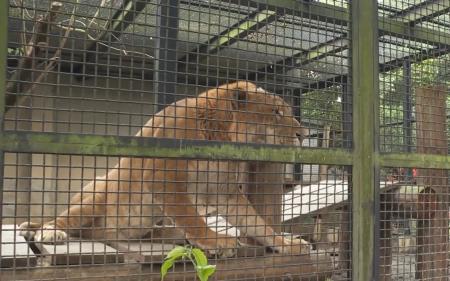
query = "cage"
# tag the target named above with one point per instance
(284, 140)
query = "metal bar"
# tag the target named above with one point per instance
(417, 57)
(384, 67)
(401, 122)
(423, 11)
(415, 160)
(345, 247)
(365, 195)
(165, 68)
(407, 106)
(159, 147)
(346, 105)
(239, 30)
(333, 81)
(3, 70)
(121, 19)
(3, 58)
(300, 59)
(415, 33)
(321, 51)
(340, 16)
(317, 11)
(396, 10)
(339, 44)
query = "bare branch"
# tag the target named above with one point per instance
(57, 56)
(31, 50)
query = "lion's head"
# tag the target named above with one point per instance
(251, 115)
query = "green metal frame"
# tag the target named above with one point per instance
(3, 68)
(155, 147)
(424, 11)
(259, 19)
(365, 157)
(3, 60)
(339, 15)
(364, 52)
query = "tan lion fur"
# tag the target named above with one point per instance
(139, 192)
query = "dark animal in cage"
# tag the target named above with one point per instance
(138, 192)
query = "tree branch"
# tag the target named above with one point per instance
(25, 68)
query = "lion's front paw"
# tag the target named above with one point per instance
(294, 246)
(221, 247)
(28, 229)
(49, 235)
(297, 246)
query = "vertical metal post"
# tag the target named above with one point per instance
(3, 58)
(3, 70)
(407, 111)
(165, 69)
(346, 107)
(345, 219)
(297, 111)
(365, 81)
(407, 106)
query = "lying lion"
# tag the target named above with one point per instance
(138, 193)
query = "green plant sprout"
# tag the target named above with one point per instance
(196, 256)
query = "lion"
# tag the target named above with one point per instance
(139, 192)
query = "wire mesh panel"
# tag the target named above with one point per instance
(413, 113)
(411, 66)
(87, 214)
(414, 224)
(106, 67)
(209, 73)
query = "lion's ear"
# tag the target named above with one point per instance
(239, 99)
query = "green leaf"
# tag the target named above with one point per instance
(172, 256)
(167, 264)
(204, 271)
(199, 256)
(177, 252)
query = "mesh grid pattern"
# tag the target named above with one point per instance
(220, 74)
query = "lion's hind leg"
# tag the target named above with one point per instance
(83, 210)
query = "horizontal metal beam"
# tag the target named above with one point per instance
(255, 22)
(323, 84)
(318, 52)
(414, 33)
(394, 10)
(34, 142)
(399, 25)
(384, 67)
(322, 50)
(417, 57)
(340, 16)
(230, 35)
(423, 11)
(123, 17)
(414, 160)
(312, 10)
